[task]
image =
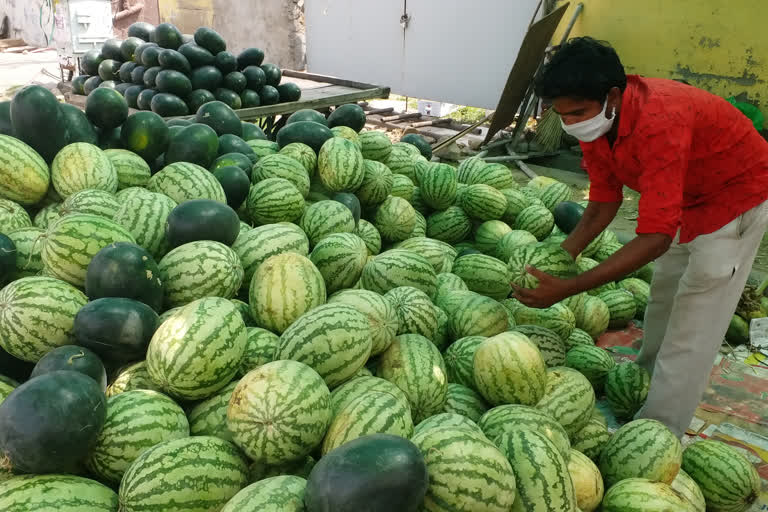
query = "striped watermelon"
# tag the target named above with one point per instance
(370, 236)
(508, 369)
(136, 421)
(587, 481)
(484, 274)
(482, 202)
(283, 288)
(439, 254)
(569, 398)
(131, 169)
(642, 449)
(193, 474)
(74, 240)
(301, 467)
(417, 201)
(576, 303)
(135, 376)
(399, 267)
(484, 482)
(279, 412)
(593, 362)
(375, 145)
(381, 314)
(373, 412)
(24, 175)
(47, 215)
(414, 364)
(488, 234)
(92, 201)
(477, 315)
(185, 278)
(464, 401)
(606, 249)
(209, 417)
(415, 311)
(401, 161)
(578, 337)
(438, 186)
(451, 225)
(626, 388)
(586, 264)
(260, 348)
(591, 439)
(13, 216)
(283, 493)
(281, 166)
(29, 245)
(495, 175)
(468, 167)
(340, 165)
(459, 360)
(274, 200)
(263, 147)
(447, 419)
(550, 345)
(640, 291)
(402, 187)
(377, 183)
(183, 181)
(348, 133)
(516, 203)
(643, 495)
(621, 307)
(537, 220)
(60, 493)
(332, 339)
(257, 245)
(144, 216)
(554, 194)
(541, 472)
(324, 218)
(544, 256)
(690, 490)
(511, 242)
(302, 154)
(198, 350)
(354, 388)
(80, 166)
(395, 219)
(447, 283)
(451, 301)
(340, 258)
(594, 317)
(503, 418)
(127, 193)
(557, 318)
(726, 478)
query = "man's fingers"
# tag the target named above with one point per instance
(536, 272)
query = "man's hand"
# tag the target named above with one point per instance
(551, 289)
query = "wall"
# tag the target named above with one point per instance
(718, 46)
(31, 20)
(149, 14)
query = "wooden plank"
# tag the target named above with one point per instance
(375, 111)
(10, 43)
(433, 122)
(327, 79)
(398, 117)
(19, 49)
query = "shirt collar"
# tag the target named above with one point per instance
(629, 106)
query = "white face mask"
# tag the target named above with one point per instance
(591, 129)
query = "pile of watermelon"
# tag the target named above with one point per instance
(317, 323)
(173, 74)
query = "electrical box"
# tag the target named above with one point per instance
(81, 25)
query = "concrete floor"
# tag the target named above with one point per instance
(19, 69)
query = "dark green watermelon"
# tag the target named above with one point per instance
(235, 182)
(310, 133)
(307, 114)
(229, 143)
(91, 60)
(252, 132)
(196, 143)
(233, 159)
(272, 73)
(420, 142)
(142, 30)
(269, 95)
(250, 57)
(7, 258)
(351, 202)
(73, 358)
(255, 78)
(567, 215)
(289, 91)
(79, 127)
(226, 62)
(351, 115)
(220, 117)
(202, 219)
(198, 98)
(6, 127)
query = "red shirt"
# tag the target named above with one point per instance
(696, 160)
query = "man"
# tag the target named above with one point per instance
(701, 170)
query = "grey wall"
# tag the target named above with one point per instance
(31, 20)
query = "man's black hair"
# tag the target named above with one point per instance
(582, 68)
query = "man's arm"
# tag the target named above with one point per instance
(595, 219)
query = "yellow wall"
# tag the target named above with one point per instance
(717, 45)
(187, 15)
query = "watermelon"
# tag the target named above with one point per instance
(24, 175)
(594, 317)
(136, 421)
(72, 242)
(578, 337)
(537, 220)
(626, 387)
(401, 159)
(476, 315)
(448, 283)
(135, 376)
(377, 183)
(75, 359)
(182, 181)
(275, 494)
(415, 311)
(198, 349)
(568, 397)
(395, 219)
(131, 169)
(690, 490)
(47, 215)
(299, 467)
(503, 418)
(643, 495)
(621, 307)
(488, 234)
(357, 387)
(641, 449)
(324, 218)
(281, 166)
(209, 417)
(13, 216)
(640, 291)
(81, 166)
(375, 145)
(557, 318)
(283, 288)
(381, 314)
(447, 419)
(593, 362)
(415, 365)
(494, 175)
(29, 245)
(438, 186)
(550, 345)
(258, 244)
(486, 484)
(302, 154)
(439, 254)
(482, 202)
(260, 348)
(402, 187)
(450, 226)
(544, 256)
(508, 369)
(591, 439)
(459, 360)
(92, 201)
(213, 472)
(186, 280)
(726, 478)
(340, 258)
(62, 493)
(399, 267)
(274, 200)
(279, 412)
(554, 194)
(340, 165)
(587, 481)
(483, 274)
(468, 167)
(464, 401)
(541, 472)
(516, 203)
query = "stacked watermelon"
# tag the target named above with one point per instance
(321, 322)
(173, 74)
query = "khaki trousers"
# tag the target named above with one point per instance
(694, 292)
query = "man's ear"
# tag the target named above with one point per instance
(614, 100)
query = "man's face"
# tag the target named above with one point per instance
(575, 110)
